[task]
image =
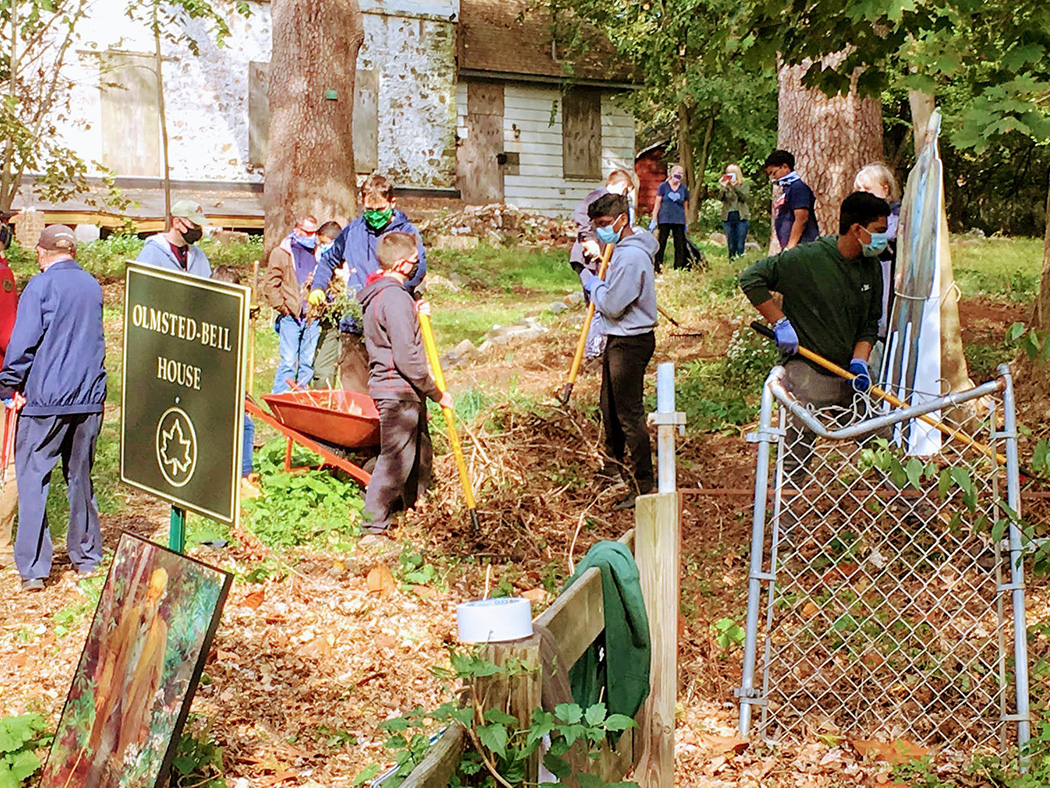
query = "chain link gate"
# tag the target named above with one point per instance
(891, 586)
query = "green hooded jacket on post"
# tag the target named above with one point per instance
(622, 671)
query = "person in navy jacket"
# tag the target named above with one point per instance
(356, 246)
(55, 360)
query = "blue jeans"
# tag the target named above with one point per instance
(249, 444)
(297, 345)
(736, 235)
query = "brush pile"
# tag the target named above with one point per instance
(533, 472)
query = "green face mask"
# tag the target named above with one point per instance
(377, 220)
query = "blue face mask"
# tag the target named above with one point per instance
(325, 247)
(607, 235)
(877, 245)
(306, 241)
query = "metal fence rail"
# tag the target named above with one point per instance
(886, 598)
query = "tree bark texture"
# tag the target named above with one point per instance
(831, 138)
(686, 117)
(1042, 303)
(310, 160)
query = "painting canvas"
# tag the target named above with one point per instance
(141, 663)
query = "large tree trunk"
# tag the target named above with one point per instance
(831, 138)
(686, 159)
(1041, 317)
(310, 163)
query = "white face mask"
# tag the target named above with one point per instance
(617, 188)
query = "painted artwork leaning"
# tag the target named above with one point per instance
(140, 666)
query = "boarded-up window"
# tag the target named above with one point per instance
(582, 134)
(366, 117)
(366, 121)
(130, 117)
(258, 112)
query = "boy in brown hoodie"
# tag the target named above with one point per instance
(398, 381)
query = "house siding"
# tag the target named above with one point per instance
(206, 96)
(535, 112)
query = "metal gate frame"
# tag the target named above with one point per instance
(764, 564)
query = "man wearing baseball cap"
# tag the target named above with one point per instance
(55, 365)
(175, 248)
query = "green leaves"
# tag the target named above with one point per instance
(495, 738)
(729, 633)
(19, 738)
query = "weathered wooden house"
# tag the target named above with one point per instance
(456, 100)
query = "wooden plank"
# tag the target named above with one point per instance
(478, 172)
(130, 119)
(577, 616)
(582, 133)
(258, 112)
(658, 554)
(436, 768)
(366, 120)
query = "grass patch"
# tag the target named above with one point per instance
(513, 282)
(999, 269)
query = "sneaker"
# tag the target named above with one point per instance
(624, 503)
(32, 584)
(86, 571)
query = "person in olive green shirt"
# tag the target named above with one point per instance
(832, 301)
(734, 192)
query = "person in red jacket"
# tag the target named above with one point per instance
(8, 308)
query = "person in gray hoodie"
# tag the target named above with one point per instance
(175, 248)
(626, 299)
(398, 381)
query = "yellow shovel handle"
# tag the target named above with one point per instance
(450, 419)
(588, 318)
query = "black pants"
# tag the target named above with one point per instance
(623, 378)
(678, 232)
(403, 470)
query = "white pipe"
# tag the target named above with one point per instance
(665, 430)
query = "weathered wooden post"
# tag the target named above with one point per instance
(517, 692)
(658, 554)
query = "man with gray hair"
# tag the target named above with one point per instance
(55, 369)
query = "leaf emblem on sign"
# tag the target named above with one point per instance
(175, 449)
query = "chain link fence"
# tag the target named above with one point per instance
(886, 597)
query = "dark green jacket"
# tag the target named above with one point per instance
(621, 678)
(832, 302)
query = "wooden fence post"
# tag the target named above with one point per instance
(518, 694)
(658, 554)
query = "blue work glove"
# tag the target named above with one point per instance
(787, 339)
(588, 280)
(652, 225)
(862, 381)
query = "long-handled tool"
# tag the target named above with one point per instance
(450, 419)
(951, 432)
(581, 346)
(7, 448)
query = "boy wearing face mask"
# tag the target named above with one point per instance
(175, 248)
(626, 300)
(398, 381)
(356, 248)
(832, 291)
(794, 212)
(290, 270)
